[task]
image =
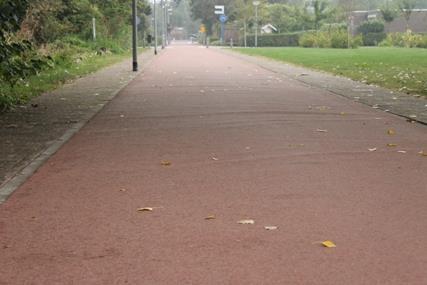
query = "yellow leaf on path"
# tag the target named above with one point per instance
(342, 113)
(246, 222)
(423, 153)
(211, 217)
(145, 209)
(391, 144)
(328, 244)
(271, 228)
(391, 132)
(165, 163)
(297, 145)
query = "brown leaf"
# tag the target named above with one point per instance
(391, 132)
(165, 163)
(328, 244)
(145, 209)
(246, 222)
(271, 228)
(211, 217)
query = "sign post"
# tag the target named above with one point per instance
(219, 10)
(222, 19)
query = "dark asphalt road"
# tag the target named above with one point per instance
(243, 143)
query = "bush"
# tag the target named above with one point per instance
(373, 39)
(328, 39)
(407, 39)
(274, 40)
(373, 26)
(308, 40)
(372, 32)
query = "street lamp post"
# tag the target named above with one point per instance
(256, 4)
(134, 38)
(162, 21)
(167, 25)
(155, 26)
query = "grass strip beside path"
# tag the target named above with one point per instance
(51, 78)
(401, 69)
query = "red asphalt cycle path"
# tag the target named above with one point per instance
(243, 143)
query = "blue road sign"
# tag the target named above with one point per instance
(223, 18)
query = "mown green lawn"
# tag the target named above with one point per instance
(400, 69)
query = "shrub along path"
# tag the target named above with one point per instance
(29, 130)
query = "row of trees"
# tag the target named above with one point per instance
(37, 34)
(297, 15)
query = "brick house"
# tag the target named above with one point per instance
(417, 21)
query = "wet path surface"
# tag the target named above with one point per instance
(202, 134)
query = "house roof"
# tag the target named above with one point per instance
(269, 26)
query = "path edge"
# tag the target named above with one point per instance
(21, 176)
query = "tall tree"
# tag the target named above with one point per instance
(406, 7)
(204, 10)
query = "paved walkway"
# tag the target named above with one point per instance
(204, 134)
(31, 133)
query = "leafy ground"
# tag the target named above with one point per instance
(400, 69)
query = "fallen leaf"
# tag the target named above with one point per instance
(328, 244)
(321, 131)
(214, 158)
(401, 151)
(122, 190)
(297, 145)
(413, 116)
(11, 126)
(246, 222)
(165, 163)
(211, 217)
(122, 116)
(271, 228)
(423, 153)
(372, 149)
(391, 132)
(391, 145)
(342, 113)
(145, 209)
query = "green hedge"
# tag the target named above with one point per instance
(373, 39)
(328, 39)
(274, 40)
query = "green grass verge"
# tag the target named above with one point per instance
(400, 69)
(62, 72)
